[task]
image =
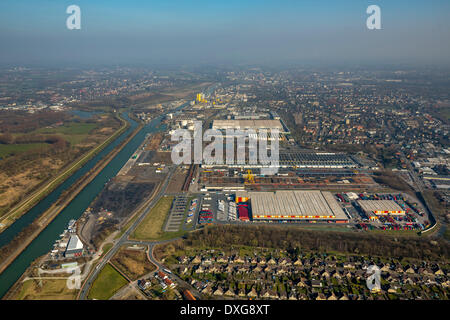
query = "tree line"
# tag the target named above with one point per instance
(7, 138)
(23, 122)
(322, 241)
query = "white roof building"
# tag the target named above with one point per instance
(74, 243)
(290, 204)
(381, 207)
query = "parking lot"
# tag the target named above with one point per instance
(415, 217)
(192, 213)
(177, 213)
(220, 207)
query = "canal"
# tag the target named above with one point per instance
(44, 242)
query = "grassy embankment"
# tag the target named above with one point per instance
(106, 249)
(229, 237)
(151, 228)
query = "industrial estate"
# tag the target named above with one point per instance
(143, 231)
(239, 153)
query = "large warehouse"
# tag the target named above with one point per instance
(315, 160)
(375, 208)
(293, 205)
(247, 124)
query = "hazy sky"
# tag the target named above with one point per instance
(231, 31)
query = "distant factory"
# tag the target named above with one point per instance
(248, 124)
(316, 160)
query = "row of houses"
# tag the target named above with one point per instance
(308, 278)
(270, 292)
(258, 264)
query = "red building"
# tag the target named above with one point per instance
(243, 212)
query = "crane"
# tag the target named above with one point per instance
(250, 177)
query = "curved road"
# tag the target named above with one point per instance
(124, 239)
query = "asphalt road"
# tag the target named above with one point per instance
(123, 239)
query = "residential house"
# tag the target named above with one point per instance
(218, 291)
(321, 296)
(253, 294)
(229, 293)
(196, 260)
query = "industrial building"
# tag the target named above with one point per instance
(247, 124)
(439, 182)
(316, 160)
(74, 247)
(305, 205)
(250, 116)
(374, 208)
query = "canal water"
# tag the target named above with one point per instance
(44, 242)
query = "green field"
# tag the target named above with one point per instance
(74, 132)
(12, 149)
(69, 129)
(107, 283)
(151, 228)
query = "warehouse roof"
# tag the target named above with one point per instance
(295, 203)
(74, 243)
(379, 205)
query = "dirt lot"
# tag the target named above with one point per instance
(154, 141)
(113, 206)
(156, 157)
(121, 198)
(177, 181)
(133, 262)
(128, 293)
(49, 290)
